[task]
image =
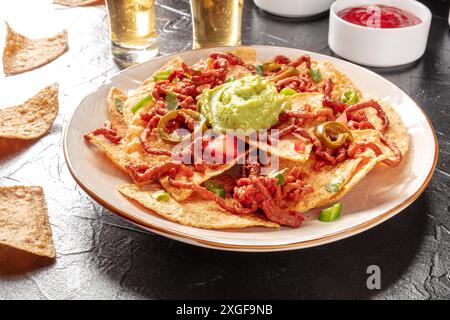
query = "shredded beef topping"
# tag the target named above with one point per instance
(397, 154)
(259, 192)
(338, 106)
(142, 173)
(362, 118)
(109, 134)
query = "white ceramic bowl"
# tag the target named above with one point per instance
(294, 8)
(379, 47)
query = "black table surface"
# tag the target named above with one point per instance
(101, 256)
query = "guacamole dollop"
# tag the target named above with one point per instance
(251, 102)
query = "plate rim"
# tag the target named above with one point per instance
(191, 239)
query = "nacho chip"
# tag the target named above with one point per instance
(134, 97)
(364, 167)
(171, 65)
(397, 132)
(115, 152)
(22, 54)
(146, 88)
(342, 83)
(309, 102)
(247, 54)
(33, 118)
(237, 72)
(78, 3)
(340, 176)
(286, 148)
(331, 184)
(198, 178)
(24, 222)
(116, 102)
(195, 212)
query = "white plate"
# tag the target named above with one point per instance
(381, 195)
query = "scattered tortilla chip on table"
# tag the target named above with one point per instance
(24, 221)
(78, 3)
(31, 119)
(23, 54)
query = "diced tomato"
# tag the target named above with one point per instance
(223, 147)
(299, 146)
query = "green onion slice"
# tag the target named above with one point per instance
(316, 76)
(259, 69)
(172, 101)
(288, 91)
(119, 105)
(350, 97)
(141, 103)
(279, 176)
(335, 184)
(163, 75)
(161, 196)
(216, 188)
(331, 214)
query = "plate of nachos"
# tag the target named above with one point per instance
(254, 148)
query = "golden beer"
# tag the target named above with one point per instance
(133, 29)
(216, 22)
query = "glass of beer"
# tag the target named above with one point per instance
(133, 30)
(216, 22)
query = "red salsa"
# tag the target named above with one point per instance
(379, 16)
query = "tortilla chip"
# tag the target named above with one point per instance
(33, 118)
(173, 64)
(286, 148)
(24, 222)
(302, 101)
(397, 132)
(116, 102)
(134, 97)
(361, 171)
(22, 54)
(176, 193)
(195, 212)
(134, 152)
(237, 72)
(146, 88)
(115, 152)
(346, 173)
(198, 178)
(308, 102)
(319, 181)
(78, 3)
(247, 54)
(342, 83)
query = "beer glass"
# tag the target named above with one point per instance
(133, 30)
(216, 22)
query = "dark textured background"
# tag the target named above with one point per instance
(102, 256)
